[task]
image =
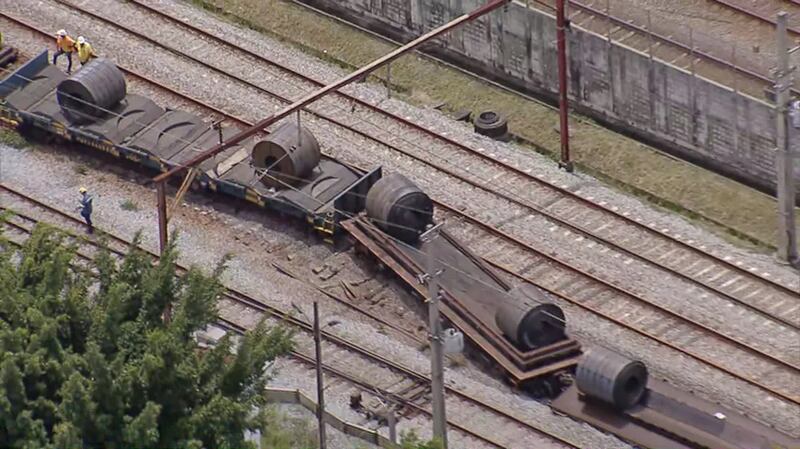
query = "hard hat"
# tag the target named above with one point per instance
(81, 40)
(62, 33)
(82, 190)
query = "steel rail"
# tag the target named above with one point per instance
(196, 30)
(332, 87)
(755, 15)
(360, 383)
(622, 23)
(710, 331)
(710, 363)
(233, 118)
(363, 385)
(692, 354)
(577, 228)
(366, 386)
(242, 298)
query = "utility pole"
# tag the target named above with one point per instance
(437, 354)
(320, 386)
(561, 25)
(161, 199)
(787, 238)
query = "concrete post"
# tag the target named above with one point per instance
(609, 49)
(391, 421)
(787, 240)
(437, 362)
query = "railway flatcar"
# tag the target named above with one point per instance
(284, 172)
(515, 326)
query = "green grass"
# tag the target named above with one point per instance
(734, 211)
(129, 205)
(12, 138)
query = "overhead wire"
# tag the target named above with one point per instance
(441, 262)
(380, 130)
(265, 172)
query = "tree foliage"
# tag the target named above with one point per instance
(86, 360)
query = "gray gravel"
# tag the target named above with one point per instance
(181, 75)
(542, 167)
(51, 176)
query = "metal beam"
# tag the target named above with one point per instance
(299, 104)
(161, 195)
(563, 101)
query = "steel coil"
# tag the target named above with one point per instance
(287, 155)
(94, 89)
(611, 378)
(399, 207)
(528, 320)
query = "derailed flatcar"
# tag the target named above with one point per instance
(514, 326)
(89, 108)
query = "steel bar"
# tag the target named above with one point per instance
(489, 7)
(563, 105)
(320, 385)
(187, 182)
(161, 195)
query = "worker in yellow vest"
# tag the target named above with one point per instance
(65, 45)
(85, 51)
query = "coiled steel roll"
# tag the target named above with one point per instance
(528, 320)
(611, 378)
(399, 207)
(287, 155)
(95, 88)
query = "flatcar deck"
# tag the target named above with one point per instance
(138, 129)
(669, 418)
(470, 291)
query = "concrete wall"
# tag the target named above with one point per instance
(690, 117)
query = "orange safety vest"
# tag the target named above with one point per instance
(65, 44)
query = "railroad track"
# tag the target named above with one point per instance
(764, 11)
(684, 259)
(734, 71)
(596, 309)
(356, 366)
(632, 250)
(521, 174)
(773, 372)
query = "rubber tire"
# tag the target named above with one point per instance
(490, 124)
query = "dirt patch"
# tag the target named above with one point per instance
(725, 206)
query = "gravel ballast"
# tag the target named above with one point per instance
(235, 98)
(50, 176)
